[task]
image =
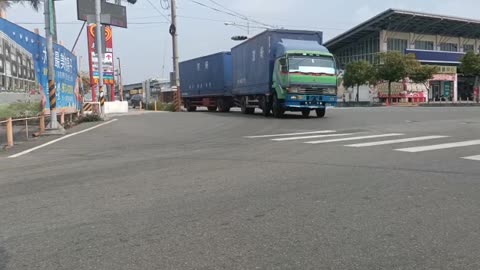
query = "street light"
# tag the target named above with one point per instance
(120, 82)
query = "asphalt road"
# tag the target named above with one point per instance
(200, 191)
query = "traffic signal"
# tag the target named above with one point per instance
(238, 38)
(132, 1)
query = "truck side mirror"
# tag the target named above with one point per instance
(283, 65)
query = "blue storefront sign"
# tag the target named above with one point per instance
(439, 57)
(23, 65)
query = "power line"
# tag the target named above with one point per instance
(165, 4)
(230, 13)
(77, 23)
(239, 14)
(158, 10)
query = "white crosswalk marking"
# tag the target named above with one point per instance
(356, 138)
(291, 134)
(439, 146)
(414, 139)
(476, 158)
(313, 137)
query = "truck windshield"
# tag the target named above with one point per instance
(311, 64)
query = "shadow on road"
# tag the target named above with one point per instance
(259, 116)
(3, 258)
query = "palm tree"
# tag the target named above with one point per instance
(4, 4)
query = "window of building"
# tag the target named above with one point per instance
(424, 45)
(449, 47)
(394, 44)
(468, 47)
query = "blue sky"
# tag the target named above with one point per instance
(145, 47)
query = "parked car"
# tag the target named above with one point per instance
(136, 100)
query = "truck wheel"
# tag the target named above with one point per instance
(212, 109)
(306, 114)
(277, 109)
(265, 106)
(320, 112)
(244, 108)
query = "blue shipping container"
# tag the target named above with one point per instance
(253, 60)
(207, 76)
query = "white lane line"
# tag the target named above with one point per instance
(476, 158)
(415, 139)
(439, 146)
(291, 134)
(356, 138)
(313, 137)
(61, 139)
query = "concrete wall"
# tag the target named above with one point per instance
(7, 98)
(116, 107)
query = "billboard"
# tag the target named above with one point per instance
(112, 14)
(23, 66)
(108, 59)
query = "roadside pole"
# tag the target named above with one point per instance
(98, 11)
(176, 70)
(49, 30)
(120, 82)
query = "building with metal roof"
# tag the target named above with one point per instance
(434, 39)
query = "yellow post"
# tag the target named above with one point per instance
(42, 123)
(9, 132)
(62, 118)
(155, 105)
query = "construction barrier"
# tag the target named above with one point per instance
(91, 107)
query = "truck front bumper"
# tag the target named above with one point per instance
(301, 102)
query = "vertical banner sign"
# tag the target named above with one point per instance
(24, 66)
(108, 59)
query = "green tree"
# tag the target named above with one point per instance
(422, 74)
(358, 73)
(4, 4)
(348, 83)
(471, 67)
(393, 67)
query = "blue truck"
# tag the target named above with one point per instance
(276, 71)
(207, 81)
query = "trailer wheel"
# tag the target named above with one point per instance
(266, 106)
(244, 108)
(212, 109)
(277, 109)
(189, 106)
(223, 105)
(306, 114)
(320, 112)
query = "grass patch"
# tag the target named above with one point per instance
(19, 110)
(167, 107)
(89, 118)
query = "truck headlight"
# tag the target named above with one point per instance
(330, 91)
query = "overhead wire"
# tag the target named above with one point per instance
(230, 13)
(241, 15)
(158, 10)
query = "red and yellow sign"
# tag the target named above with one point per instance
(108, 59)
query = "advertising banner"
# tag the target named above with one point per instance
(23, 66)
(108, 68)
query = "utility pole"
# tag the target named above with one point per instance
(49, 32)
(176, 70)
(98, 35)
(120, 81)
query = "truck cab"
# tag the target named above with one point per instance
(304, 78)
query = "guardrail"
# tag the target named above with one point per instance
(33, 126)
